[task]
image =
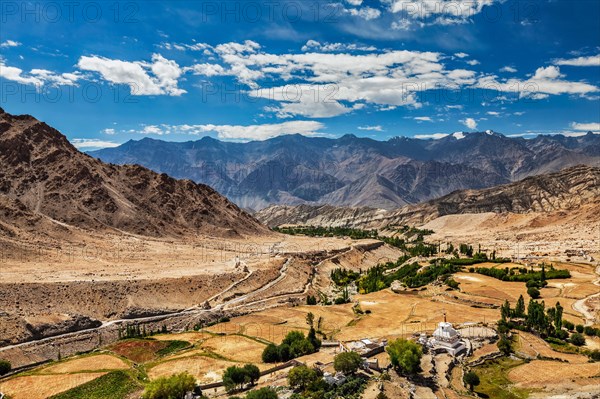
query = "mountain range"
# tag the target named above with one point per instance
(573, 191)
(353, 171)
(47, 185)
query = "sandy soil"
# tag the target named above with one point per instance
(44, 386)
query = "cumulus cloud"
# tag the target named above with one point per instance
(366, 13)
(545, 81)
(593, 127)
(37, 77)
(158, 77)
(508, 69)
(470, 123)
(93, 143)
(235, 132)
(440, 12)
(313, 45)
(593, 60)
(9, 43)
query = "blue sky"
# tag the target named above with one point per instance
(106, 72)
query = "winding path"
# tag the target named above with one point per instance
(581, 307)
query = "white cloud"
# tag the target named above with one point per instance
(546, 81)
(109, 131)
(434, 136)
(508, 68)
(376, 128)
(9, 43)
(313, 45)
(440, 12)
(461, 55)
(354, 2)
(594, 126)
(236, 132)
(93, 143)
(470, 123)
(37, 77)
(473, 62)
(493, 113)
(165, 74)
(366, 13)
(423, 119)
(593, 60)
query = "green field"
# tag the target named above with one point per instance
(114, 385)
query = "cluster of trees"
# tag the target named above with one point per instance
(308, 383)
(237, 377)
(175, 386)
(546, 322)
(295, 344)
(342, 277)
(405, 355)
(135, 331)
(319, 231)
(524, 275)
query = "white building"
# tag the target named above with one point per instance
(446, 338)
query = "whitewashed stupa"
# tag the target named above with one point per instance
(446, 338)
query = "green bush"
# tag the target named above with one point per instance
(471, 379)
(579, 328)
(263, 393)
(171, 387)
(533, 292)
(5, 367)
(577, 339)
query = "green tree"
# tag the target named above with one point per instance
(520, 307)
(234, 377)
(347, 362)
(5, 367)
(293, 336)
(405, 355)
(263, 393)
(310, 319)
(300, 377)
(270, 354)
(252, 373)
(504, 345)
(173, 387)
(505, 311)
(579, 328)
(471, 379)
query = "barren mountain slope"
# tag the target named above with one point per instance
(567, 190)
(44, 179)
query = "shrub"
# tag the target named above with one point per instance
(270, 354)
(347, 362)
(590, 331)
(595, 355)
(5, 367)
(577, 339)
(263, 393)
(562, 334)
(579, 328)
(471, 379)
(174, 386)
(533, 292)
(568, 325)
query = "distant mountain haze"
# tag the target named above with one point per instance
(353, 171)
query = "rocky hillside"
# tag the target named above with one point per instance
(353, 171)
(567, 190)
(46, 183)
